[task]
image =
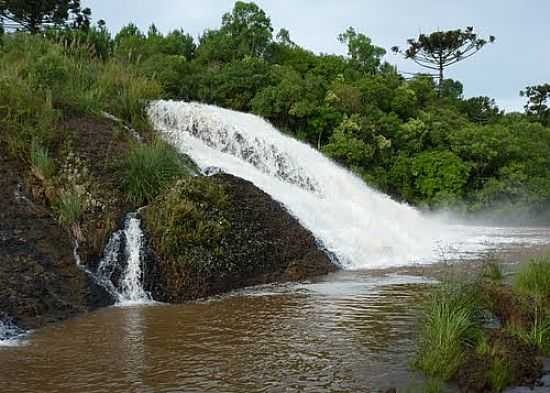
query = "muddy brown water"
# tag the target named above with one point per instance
(347, 332)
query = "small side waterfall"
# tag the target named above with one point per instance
(121, 269)
(10, 333)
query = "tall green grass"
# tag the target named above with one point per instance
(451, 323)
(533, 282)
(70, 208)
(41, 81)
(534, 278)
(43, 165)
(149, 169)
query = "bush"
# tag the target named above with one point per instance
(149, 169)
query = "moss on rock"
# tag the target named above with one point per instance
(214, 234)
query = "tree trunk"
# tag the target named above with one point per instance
(440, 87)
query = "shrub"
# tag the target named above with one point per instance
(149, 169)
(450, 324)
(49, 71)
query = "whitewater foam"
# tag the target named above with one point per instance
(361, 226)
(124, 250)
(10, 334)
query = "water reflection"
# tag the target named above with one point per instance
(134, 345)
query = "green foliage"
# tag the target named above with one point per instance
(450, 325)
(534, 279)
(69, 208)
(441, 49)
(533, 282)
(247, 28)
(419, 142)
(149, 169)
(125, 93)
(42, 164)
(491, 271)
(189, 215)
(364, 55)
(33, 16)
(440, 176)
(537, 105)
(537, 333)
(500, 374)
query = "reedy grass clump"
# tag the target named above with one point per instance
(70, 208)
(533, 282)
(43, 82)
(451, 324)
(500, 374)
(536, 333)
(149, 169)
(491, 271)
(43, 166)
(533, 279)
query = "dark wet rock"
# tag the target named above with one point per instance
(524, 362)
(258, 242)
(39, 279)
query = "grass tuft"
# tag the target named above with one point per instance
(491, 271)
(450, 325)
(69, 208)
(149, 169)
(43, 166)
(534, 279)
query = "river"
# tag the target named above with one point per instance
(352, 331)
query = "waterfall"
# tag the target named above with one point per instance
(362, 227)
(120, 270)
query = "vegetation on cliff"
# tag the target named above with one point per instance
(214, 234)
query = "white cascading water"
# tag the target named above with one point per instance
(10, 334)
(126, 243)
(362, 227)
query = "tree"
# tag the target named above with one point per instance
(33, 15)
(442, 49)
(249, 28)
(538, 96)
(480, 109)
(363, 53)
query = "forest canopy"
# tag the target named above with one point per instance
(416, 138)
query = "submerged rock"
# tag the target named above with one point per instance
(214, 234)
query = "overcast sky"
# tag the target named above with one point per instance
(519, 57)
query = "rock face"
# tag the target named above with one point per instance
(39, 279)
(257, 241)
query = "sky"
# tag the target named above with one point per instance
(520, 56)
